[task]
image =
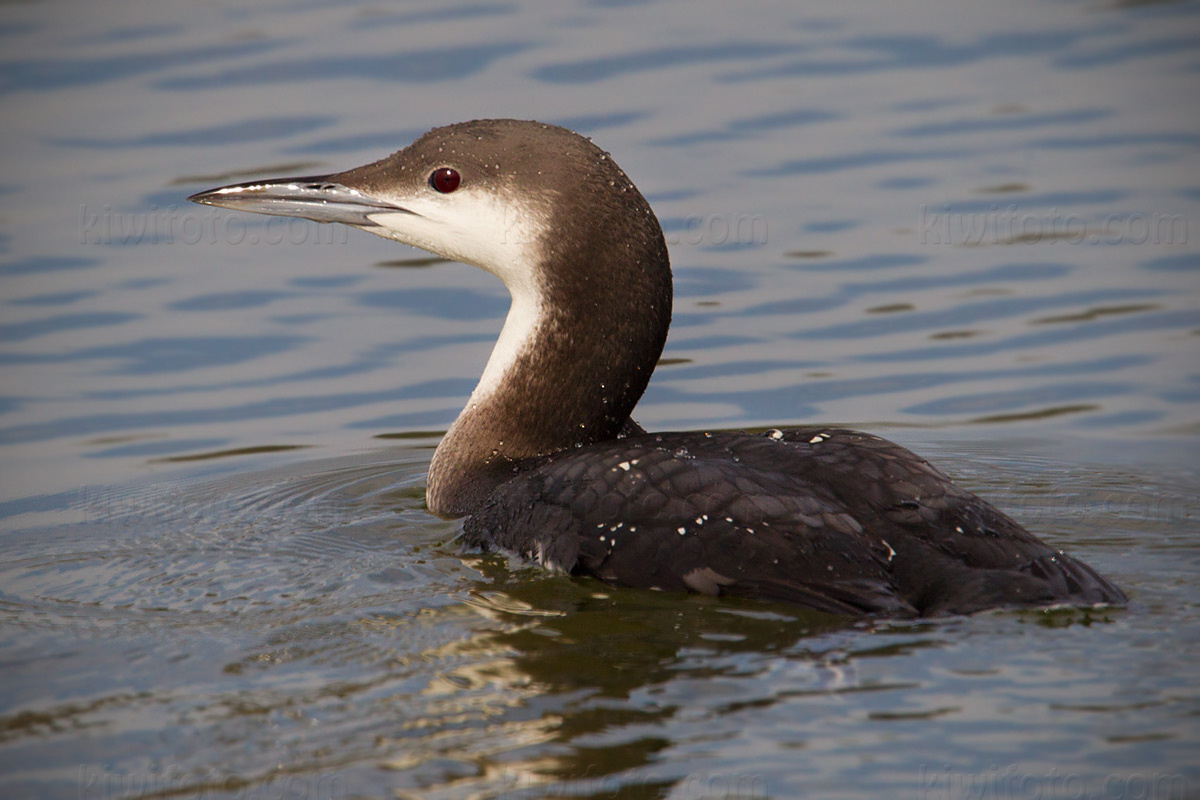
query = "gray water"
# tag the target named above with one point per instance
(972, 230)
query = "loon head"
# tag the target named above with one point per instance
(508, 196)
(571, 237)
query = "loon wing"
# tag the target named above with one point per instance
(830, 519)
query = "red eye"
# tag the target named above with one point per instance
(445, 179)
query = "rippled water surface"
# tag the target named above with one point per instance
(969, 229)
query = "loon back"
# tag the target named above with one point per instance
(828, 518)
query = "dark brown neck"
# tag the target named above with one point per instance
(574, 380)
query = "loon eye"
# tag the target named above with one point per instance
(445, 179)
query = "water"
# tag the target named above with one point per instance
(969, 230)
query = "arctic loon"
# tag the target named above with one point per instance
(545, 460)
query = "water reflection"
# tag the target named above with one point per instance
(211, 577)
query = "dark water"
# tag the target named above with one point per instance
(971, 230)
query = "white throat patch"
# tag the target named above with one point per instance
(498, 233)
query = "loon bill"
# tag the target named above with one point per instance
(545, 460)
